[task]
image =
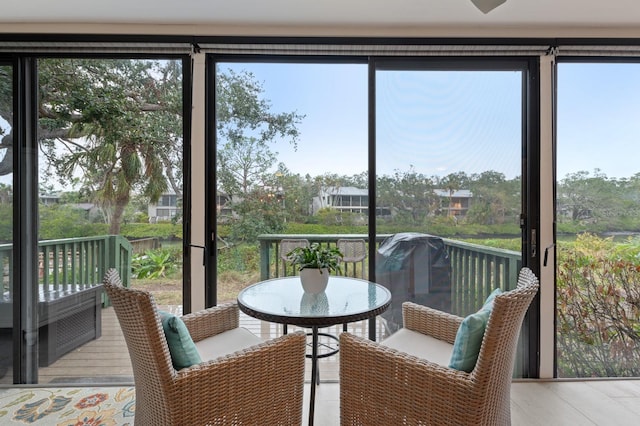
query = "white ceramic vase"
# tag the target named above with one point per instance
(313, 281)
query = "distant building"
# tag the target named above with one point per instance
(90, 209)
(346, 199)
(454, 204)
(49, 199)
(165, 209)
(350, 199)
(223, 207)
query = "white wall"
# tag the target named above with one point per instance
(502, 31)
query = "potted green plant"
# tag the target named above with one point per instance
(315, 263)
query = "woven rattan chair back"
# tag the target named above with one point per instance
(381, 386)
(354, 252)
(286, 245)
(148, 350)
(494, 369)
(260, 384)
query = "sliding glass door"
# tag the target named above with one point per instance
(110, 196)
(290, 170)
(100, 187)
(450, 141)
(598, 200)
(293, 165)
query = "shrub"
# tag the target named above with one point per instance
(239, 258)
(598, 332)
(164, 230)
(156, 263)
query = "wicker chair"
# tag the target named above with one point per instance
(381, 385)
(286, 245)
(259, 384)
(354, 251)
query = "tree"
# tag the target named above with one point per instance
(116, 122)
(585, 197)
(6, 114)
(410, 194)
(494, 198)
(246, 127)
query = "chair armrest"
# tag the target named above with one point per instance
(262, 384)
(380, 385)
(422, 319)
(212, 321)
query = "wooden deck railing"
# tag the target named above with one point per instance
(475, 269)
(69, 264)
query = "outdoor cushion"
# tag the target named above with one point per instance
(420, 345)
(469, 337)
(226, 343)
(181, 347)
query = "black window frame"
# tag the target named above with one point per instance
(529, 65)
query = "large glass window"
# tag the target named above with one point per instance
(449, 176)
(111, 141)
(291, 165)
(291, 156)
(598, 199)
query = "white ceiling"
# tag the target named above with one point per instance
(388, 13)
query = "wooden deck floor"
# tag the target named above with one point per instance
(107, 359)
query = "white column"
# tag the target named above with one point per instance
(198, 178)
(547, 284)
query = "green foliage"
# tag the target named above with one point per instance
(317, 257)
(513, 244)
(246, 126)
(223, 230)
(598, 311)
(441, 226)
(120, 123)
(163, 230)
(60, 221)
(256, 214)
(159, 263)
(316, 228)
(6, 223)
(597, 203)
(240, 258)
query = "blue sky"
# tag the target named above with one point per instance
(437, 122)
(443, 122)
(599, 118)
(334, 100)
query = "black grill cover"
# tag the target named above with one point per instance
(414, 267)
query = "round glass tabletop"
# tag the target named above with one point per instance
(283, 300)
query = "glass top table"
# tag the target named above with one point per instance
(282, 300)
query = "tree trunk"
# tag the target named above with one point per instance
(118, 213)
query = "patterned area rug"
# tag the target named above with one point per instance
(97, 406)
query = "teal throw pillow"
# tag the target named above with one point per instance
(466, 347)
(181, 347)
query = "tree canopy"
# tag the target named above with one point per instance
(246, 162)
(113, 126)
